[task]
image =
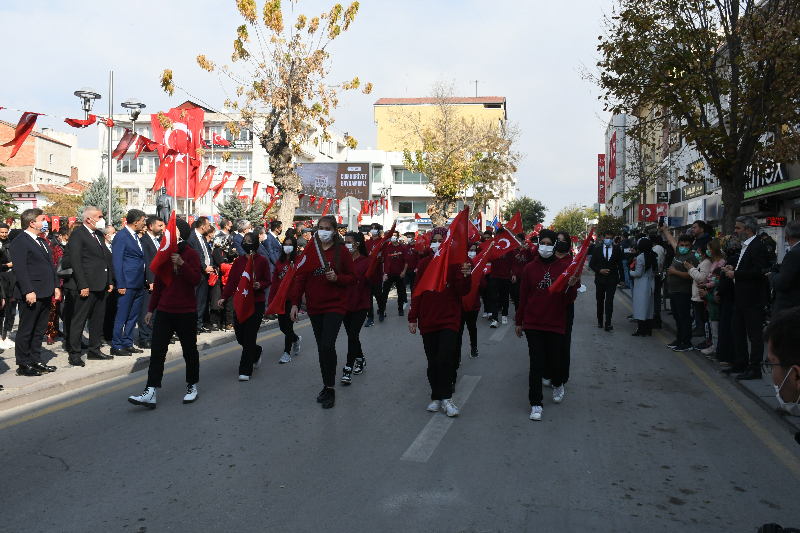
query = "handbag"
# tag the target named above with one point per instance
(212, 279)
(62, 272)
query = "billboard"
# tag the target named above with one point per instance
(601, 178)
(330, 181)
(651, 212)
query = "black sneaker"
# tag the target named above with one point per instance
(400, 312)
(359, 365)
(322, 395)
(673, 344)
(330, 399)
(346, 379)
(381, 315)
(473, 353)
(683, 348)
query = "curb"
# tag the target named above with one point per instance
(21, 398)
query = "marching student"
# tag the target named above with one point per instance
(247, 331)
(177, 313)
(291, 342)
(522, 256)
(376, 280)
(500, 285)
(326, 299)
(543, 318)
(439, 315)
(562, 250)
(396, 264)
(357, 305)
(470, 318)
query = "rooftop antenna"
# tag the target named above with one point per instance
(476, 87)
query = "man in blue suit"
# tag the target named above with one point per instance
(128, 258)
(150, 244)
(242, 227)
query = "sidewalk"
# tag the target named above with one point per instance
(760, 390)
(20, 390)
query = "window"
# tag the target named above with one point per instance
(459, 205)
(150, 199)
(265, 169)
(412, 207)
(51, 159)
(153, 164)
(408, 177)
(376, 174)
(144, 131)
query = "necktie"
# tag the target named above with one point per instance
(608, 253)
(42, 244)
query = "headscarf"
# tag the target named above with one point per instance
(439, 230)
(548, 234)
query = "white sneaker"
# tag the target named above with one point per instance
(449, 407)
(493, 324)
(146, 398)
(257, 363)
(296, 346)
(536, 412)
(191, 393)
(545, 382)
(434, 406)
(485, 315)
(505, 320)
(285, 358)
(558, 394)
(244, 378)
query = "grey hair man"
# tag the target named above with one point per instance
(242, 226)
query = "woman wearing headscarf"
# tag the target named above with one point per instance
(542, 316)
(326, 300)
(247, 330)
(358, 301)
(439, 315)
(643, 276)
(291, 340)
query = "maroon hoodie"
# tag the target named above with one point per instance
(179, 296)
(439, 310)
(538, 309)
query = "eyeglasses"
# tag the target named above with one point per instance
(766, 366)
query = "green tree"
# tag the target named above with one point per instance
(725, 74)
(572, 219)
(7, 207)
(609, 223)
(97, 195)
(233, 208)
(64, 205)
(532, 211)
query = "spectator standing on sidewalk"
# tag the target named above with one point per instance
(643, 276)
(680, 289)
(724, 296)
(783, 358)
(786, 280)
(150, 244)
(627, 252)
(7, 280)
(57, 245)
(197, 240)
(129, 271)
(658, 289)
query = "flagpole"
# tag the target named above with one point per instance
(110, 166)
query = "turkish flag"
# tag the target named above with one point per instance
(56, 223)
(25, 126)
(417, 217)
(377, 251)
(205, 183)
(166, 168)
(474, 233)
(77, 123)
(452, 251)
(423, 242)
(491, 249)
(238, 187)
(244, 301)
(311, 199)
(312, 258)
(327, 206)
(264, 215)
(218, 187)
(144, 144)
(515, 224)
(537, 229)
(161, 265)
(219, 141)
(184, 138)
(123, 145)
(651, 212)
(255, 191)
(575, 266)
(321, 200)
(278, 305)
(71, 221)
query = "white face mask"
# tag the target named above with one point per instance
(792, 408)
(325, 235)
(349, 246)
(435, 246)
(471, 255)
(545, 251)
(373, 232)
(100, 224)
(288, 249)
(394, 239)
(110, 238)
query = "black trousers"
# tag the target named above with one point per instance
(544, 349)
(748, 324)
(486, 294)
(145, 331)
(605, 302)
(470, 319)
(109, 314)
(441, 347)
(201, 293)
(91, 309)
(32, 327)
(659, 291)
(287, 327)
(500, 289)
(246, 335)
(681, 304)
(326, 328)
(376, 294)
(566, 345)
(411, 278)
(400, 284)
(353, 322)
(184, 325)
(515, 293)
(9, 314)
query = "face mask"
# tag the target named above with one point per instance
(111, 238)
(288, 249)
(683, 250)
(435, 246)
(247, 247)
(325, 235)
(45, 226)
(373, 232)
(394, 239)
(708, 253)
(99, 224)
(698, 256)
(561, 247)
(545, 251)
(349, 246)
(608, 242)
(471, 255)
(792, 408)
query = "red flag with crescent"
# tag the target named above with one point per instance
(515, 224)
(452, 251)
(238, 187)
(377, 251)
(123, 145)
(24, 128)
(78, 123)
(161, 265)
(574, 267)
(218, 187)
(244, 301)
(184, 137)
(494, 248)
(205, 183)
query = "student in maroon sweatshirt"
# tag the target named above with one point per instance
(357, 305)
(247, 330)
(291, 342)
(177, 314)
(395, 266)
(326, 301)
(470, 318)
(500, 284)
(439, 315)
(522, 256)
(543, 317)
(564, 252)
(412, 258)
(376, 281)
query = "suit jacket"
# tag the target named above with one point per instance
(195, 243)
(237, 243)
(599, 262)
(91, 263)
(33, 266)
(128, 261)
(751, 285)
(150, 250)
(274, 249)
(787, 282)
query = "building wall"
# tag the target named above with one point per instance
(25, 156)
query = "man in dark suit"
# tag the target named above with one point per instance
(92, 273)
(242, 227)
(150, 243)
(127, 255)
(751, 295)
(37, 284)
(786, 282)
(197, 240)
(606, 262)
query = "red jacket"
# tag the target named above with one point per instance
(412, 258)
(501, 266)
(323, 296)
(521, 258)
(394, 259)
(358, 296)
(439, 310)
(377, 276)
(260, 274)
(281, 269)
(538, 309)
(179, 296)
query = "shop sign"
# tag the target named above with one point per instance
(694, 190)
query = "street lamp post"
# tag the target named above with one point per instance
(88, 96)
(134, 108)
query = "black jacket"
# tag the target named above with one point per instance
(599, 262)
(90, 262)
(33, 266)
(149, 249)
(787, 282)
(751, 285)
(195, 243)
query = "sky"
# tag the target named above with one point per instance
(529, 51)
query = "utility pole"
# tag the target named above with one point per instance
(476, 87)
(110, 220)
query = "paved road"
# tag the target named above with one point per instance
(645, 440)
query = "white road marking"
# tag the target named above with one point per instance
(426, 442)
(500, 333)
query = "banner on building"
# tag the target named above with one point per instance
(612, 161)
(330, 181)
(651, 212)
(601, 178)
